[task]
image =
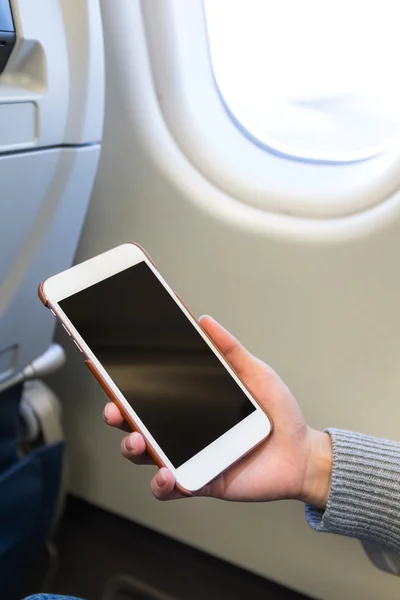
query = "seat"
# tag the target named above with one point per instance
(51, 118)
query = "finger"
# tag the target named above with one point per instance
(163, 486)
(113, 417)
(238, 357)
(133, 447)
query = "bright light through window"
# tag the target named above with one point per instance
(311, 79)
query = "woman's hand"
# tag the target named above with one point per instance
(295, 463)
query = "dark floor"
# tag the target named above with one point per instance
(95, 545)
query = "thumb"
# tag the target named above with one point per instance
(242, 362)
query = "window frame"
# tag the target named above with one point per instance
(253, 128)
(202, 128)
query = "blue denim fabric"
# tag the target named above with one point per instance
(29, 489)
(50, 597)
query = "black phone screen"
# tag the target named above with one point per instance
(163, 367)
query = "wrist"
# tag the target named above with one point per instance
(318, 473)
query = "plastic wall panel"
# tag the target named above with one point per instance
(57, 64)
(42, 216)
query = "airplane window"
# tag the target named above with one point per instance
(311, 80)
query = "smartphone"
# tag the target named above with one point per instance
(156, 363)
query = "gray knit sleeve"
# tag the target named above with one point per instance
(364, 501)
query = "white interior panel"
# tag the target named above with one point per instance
(42, 213)
(57, 65)
(318, 300)
(49, 151)
(17, 124)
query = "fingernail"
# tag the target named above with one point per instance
(105, 413)
(130, 443)
(161, 478)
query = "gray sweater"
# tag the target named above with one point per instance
(364, 501)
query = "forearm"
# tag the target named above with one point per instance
(364, 496)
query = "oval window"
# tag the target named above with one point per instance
(310, 79)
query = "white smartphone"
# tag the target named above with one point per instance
(156, 363)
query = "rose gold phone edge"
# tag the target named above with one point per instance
(53, 307)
